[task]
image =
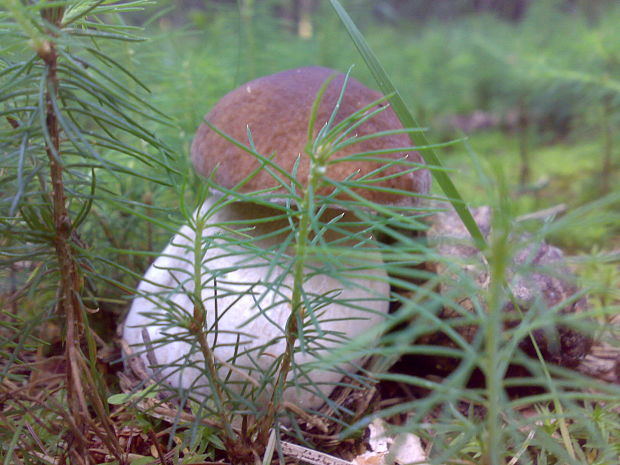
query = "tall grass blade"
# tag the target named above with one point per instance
(408, 121)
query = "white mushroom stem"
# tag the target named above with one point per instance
(246, 286)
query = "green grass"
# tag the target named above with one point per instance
(566, 172)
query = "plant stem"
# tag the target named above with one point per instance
(494, 373)
(297, 309)
(239, 447)
(69, 287)
(524, 154)
(69, 303)
(608, 144)
(197, 328)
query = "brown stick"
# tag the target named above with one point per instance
(69, 286)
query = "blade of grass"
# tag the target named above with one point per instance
(408, 121)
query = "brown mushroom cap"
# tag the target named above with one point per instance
(277, 108)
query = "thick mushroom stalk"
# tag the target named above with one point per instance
(247, 299)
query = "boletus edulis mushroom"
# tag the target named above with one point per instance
(247, 247)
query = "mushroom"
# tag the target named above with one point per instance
(247, 293)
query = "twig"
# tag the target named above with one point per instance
(150, 356)
(269, 449)
(524, 447)
(541, 214)
(155, 442)
(240, 373)
(36, 438)
(310, 456)
(310, 419)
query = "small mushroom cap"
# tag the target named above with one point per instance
(277, 109)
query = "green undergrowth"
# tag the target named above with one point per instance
(124, 197)
(564, 175)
